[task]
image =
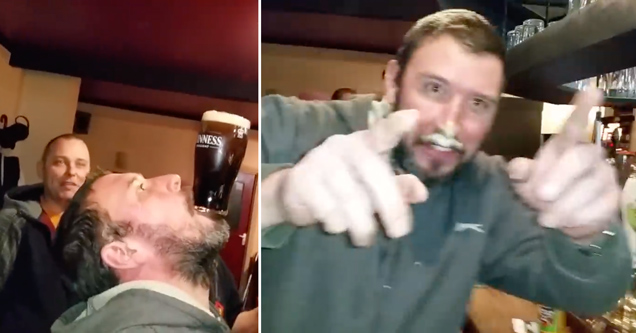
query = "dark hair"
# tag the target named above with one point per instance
(78, 245)
(467, 27)
(49, 145)
(339, 94)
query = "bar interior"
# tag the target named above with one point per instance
(555, 47)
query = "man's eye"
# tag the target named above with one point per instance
(433, 87)
(436, 91)
(479, 105)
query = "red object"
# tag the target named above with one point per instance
(219, 307)
(239, 217)
(46, 220)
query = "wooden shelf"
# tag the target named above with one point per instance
(617, 102)
(598, 39)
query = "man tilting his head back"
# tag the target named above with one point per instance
(143, 237)
(32, 295)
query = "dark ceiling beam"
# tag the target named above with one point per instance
(136, 108)
(555, 3)
(158, 78)
(341, 32)
(403, 10)
(5, 42)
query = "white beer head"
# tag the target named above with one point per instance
(227, 118)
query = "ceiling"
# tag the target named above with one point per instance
(378, 26)
(177, 58)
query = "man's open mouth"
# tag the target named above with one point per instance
(442, 143)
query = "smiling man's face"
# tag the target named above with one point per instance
(65, 168)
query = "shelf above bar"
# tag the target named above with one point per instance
(599, 39)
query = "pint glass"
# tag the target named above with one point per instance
(218, 154)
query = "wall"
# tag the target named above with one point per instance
(517, 129)
(49, 101)
(156, 145)
(10, 84)
(554, 117)
(290, 70)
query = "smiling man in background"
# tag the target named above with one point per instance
(448, 216)
(32, 295)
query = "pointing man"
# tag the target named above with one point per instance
(449, 216)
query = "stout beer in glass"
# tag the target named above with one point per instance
(218, 154)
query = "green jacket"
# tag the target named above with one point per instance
(472, 229)
(140, 307)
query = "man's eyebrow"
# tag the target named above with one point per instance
(434, 77)
(490, 99)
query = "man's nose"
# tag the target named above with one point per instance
(71, 170)
(451, 116)
(172, 183)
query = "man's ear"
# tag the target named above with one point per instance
(390, 85)
(120, 255)
(40, 169)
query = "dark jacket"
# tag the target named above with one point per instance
(472, 229)
(139, 307)
(32, 295)
(225, 292)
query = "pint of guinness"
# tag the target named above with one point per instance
(218, 154)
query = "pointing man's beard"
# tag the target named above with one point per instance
(437, 154)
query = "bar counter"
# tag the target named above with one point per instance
(492, 311)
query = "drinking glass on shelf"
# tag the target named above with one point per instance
(584, 84)
(618, 84)
(518, 34)
(537, 23)
(631, 82)
(531, 27)
(626, 83)
(603, 83)
(585, 3)
(573, 5)
(511, 38)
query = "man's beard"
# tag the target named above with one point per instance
(192, 256)
(436, 169)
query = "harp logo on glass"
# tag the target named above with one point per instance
(209, 141)
(240, 132)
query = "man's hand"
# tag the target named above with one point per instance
(569, 182)
(346, 180)
(246, 322)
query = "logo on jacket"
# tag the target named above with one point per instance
(460, 227)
